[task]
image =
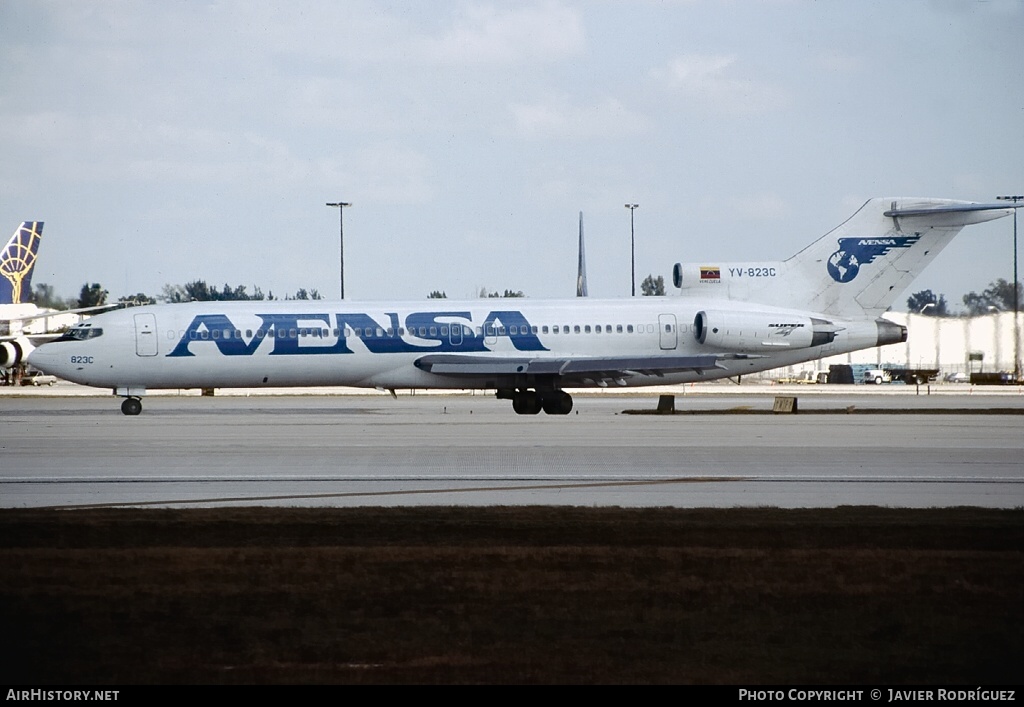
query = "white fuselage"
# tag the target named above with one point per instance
(366, 344)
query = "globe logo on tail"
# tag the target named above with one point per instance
(845, 263)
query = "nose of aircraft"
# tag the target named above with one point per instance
(45, 359)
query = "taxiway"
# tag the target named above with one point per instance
(722, 450)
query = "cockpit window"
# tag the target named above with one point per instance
(81, 333)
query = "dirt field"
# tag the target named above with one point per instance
(513, 595)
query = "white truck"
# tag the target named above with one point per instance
(901, 374)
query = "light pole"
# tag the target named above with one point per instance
(340, 205)
(1016, 294)
(632, 247)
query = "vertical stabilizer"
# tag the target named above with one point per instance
(857, 269)
(863, 265)
(16, 262)
(581, 267)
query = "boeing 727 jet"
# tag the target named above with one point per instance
(730, 319)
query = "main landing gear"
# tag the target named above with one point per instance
(531, 402)
(131, 406)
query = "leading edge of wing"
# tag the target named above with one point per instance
(455, 365)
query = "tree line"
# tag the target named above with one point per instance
(998, 297)
(650, 286)
(95, 295)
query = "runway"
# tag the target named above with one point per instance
(356, 450)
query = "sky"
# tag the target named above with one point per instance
(167, 142)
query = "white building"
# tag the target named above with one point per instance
(951, 344)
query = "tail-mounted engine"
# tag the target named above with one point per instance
(761, 331)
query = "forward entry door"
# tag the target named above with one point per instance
(145, 335)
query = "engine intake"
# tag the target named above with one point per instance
(14, 352)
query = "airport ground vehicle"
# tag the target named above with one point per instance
(993, 378)
(901, 374)
(37, 378)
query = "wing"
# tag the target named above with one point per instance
(589, 369)
(50, 313)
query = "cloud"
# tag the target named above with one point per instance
(710, 81)
(760, 207)
(557, 118)
(386, 173)
(486, 34)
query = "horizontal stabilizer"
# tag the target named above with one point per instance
(949, 214)
(955, 208)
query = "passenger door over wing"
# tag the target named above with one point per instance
(667, 327)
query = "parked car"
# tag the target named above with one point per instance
(957, 378)
(38, 378)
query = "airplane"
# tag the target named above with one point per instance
(731, 320)
(17, 260)
(23, 324)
